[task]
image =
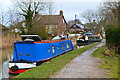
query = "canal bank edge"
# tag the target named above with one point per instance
(50, 67)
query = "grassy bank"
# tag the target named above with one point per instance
(109, 61)
(49, 68)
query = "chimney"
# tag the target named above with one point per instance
(61, 12)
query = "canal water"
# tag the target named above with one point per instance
(6, 56)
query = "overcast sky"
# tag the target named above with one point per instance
(72, 8)
(69, 7)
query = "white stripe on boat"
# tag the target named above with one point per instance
(23, 65)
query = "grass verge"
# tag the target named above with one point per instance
(109, 61)
(50, 67)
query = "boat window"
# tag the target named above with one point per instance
(86, 37)
(93, 37)
(53, 49)
(90, 38)
(27, 54)
(58, 47)
(21, 54)
(98, 37)
(48, 50)
(67, 44)
(83, 37)
(62, 46)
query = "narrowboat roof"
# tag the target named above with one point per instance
(88, 33)
(28, 35)
(42, 41)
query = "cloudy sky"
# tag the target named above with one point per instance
(72, 8)
(69, 7)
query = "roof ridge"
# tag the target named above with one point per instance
(49, 15)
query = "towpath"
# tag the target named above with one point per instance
(83, 66)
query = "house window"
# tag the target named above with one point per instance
(53, 49)
(51, 28)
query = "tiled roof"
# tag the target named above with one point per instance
(77, 26)
(50, 19)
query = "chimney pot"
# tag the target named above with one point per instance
(61, 12)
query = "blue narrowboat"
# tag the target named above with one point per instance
(32, 51)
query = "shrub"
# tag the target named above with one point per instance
(113, 36)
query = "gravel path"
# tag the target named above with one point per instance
(83, 66)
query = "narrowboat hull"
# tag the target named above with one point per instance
(86, 42)
(31, 54)
(21, 67)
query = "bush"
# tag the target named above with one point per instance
(113, 36)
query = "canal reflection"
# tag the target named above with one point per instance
(6, 56)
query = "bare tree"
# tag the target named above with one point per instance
(28, 9)
(95, 20)
(12, 17)
(50, 7)
(3, 19)
(88, 15)
(110, 10)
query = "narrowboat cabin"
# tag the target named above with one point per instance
(32, 51)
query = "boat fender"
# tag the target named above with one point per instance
(14, 68)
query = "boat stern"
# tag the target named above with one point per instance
(17, 68)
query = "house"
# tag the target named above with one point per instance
(76, 28)
(72, 22)
(55, 24)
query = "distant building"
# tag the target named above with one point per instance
(72, 22)
(76, 28)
